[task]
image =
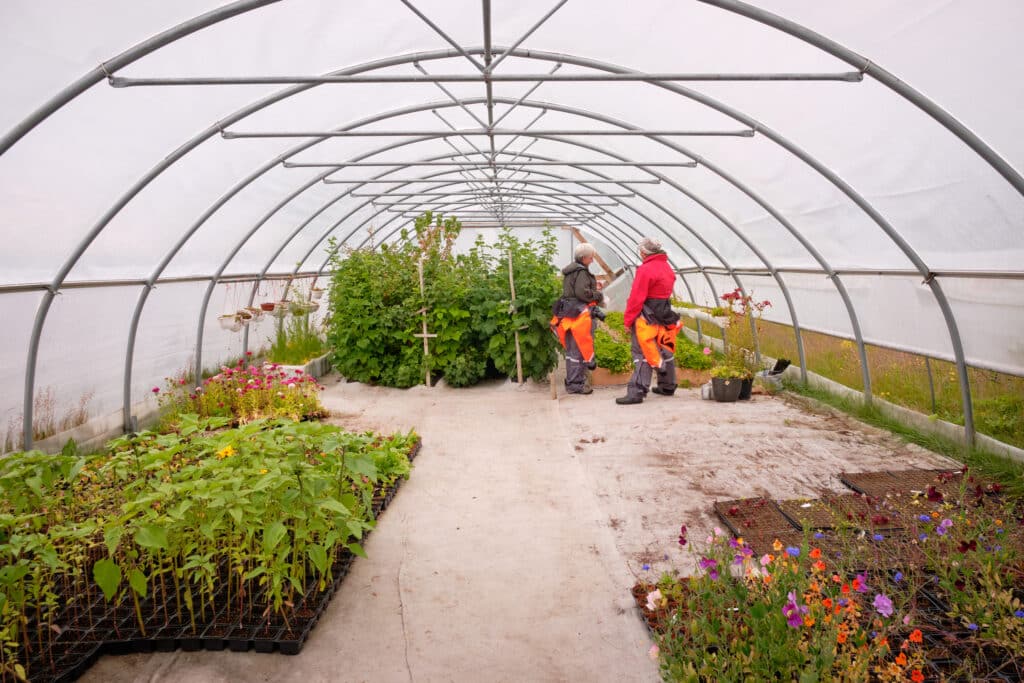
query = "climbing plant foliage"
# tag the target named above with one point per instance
(376, 303)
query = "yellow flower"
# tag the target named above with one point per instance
(225, 452)
(777, 545)
(264, 471)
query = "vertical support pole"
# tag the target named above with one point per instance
(931, 382)
(512, 287)
(423, 314)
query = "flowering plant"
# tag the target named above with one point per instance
(780, 616)
(243, 393)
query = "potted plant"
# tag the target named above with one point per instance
(316, 293)
(727, 381)
(229, 322)
(267, 306)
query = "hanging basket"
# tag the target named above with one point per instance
(316, 293)
(267, 306)
(281, 309)
(229, 322)
(299, 307)
(255, 311)
(313, 306)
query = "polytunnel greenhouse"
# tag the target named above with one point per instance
(538, 341)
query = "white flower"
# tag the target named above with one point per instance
(653, 599)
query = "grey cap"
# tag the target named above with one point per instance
(649, 245)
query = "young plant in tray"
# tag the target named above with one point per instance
(167, 529)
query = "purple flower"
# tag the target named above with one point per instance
(646, 567)
(793, 611)
(713, 574)
(843, 602)
(924, 518)
(737, 559)
(883, 605)
(818, 534)
(898, 577)
(878, 537)
(972, 626)
(793, 551)
(708, 563)
(923, 537)
(1019, 614)
(733, 543)
(862, 585)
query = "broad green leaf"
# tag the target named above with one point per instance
(107, 576)
(152, 537)
(272, 535)
(357, 549)
(318, 556)
(137, 580)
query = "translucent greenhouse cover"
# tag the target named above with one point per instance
(832, 194)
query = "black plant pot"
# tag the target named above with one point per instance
(745, 388)
(726, 390)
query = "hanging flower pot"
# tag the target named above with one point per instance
(255, 311)
(229, 322)
(316, 293)
(312, 306)
(267, 306)
(281, 309)
(299, 308)
(243, 317)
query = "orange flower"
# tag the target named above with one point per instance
(819, 565)
(777, 545)
(836, 579)
(827, 602)
(808, 621)
(917, 676)
(856, 584)
(814, 587)
(739, 541)
(841, 637)
(846, 588)
(915, 636)
(902, 659)
(935, 515)
(815, 553)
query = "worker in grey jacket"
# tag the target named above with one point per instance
(575, 318)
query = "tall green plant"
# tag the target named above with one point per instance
(377, 304)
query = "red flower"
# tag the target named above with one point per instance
(916, 676)
(967, 546)
(934, 495)
(915, 636)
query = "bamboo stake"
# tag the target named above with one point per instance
(519, 355)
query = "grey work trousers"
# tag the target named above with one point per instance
(640, 382)
(575, 365)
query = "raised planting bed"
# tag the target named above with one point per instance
(121, 594)
(752, 516)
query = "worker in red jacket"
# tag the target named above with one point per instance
(653, 325)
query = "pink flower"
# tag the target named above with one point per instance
(707, 350)
(156, 390)
(653, 599)
(653, 652)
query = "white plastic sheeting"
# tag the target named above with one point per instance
(243, 212)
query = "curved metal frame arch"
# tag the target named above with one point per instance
(901, 89)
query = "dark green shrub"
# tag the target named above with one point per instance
(611, 353)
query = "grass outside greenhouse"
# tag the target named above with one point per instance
(899, 377)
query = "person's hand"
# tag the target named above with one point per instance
(600, 285)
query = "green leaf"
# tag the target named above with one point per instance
(152, 537)
(357, 550)
(108, 576)
(758, 611)
(318, 556)
(272, 535)
(137, 580)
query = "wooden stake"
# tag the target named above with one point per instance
(423, 312)
(519, 355)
